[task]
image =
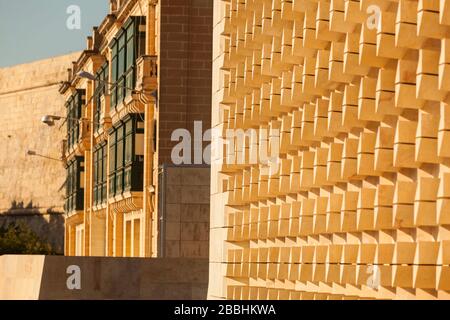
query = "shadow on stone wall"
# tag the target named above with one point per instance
(20, 206)
(47, 224)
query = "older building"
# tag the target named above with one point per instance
(126, 197)
(29, 151)
(354, 96)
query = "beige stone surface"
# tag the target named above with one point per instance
(27, 92)
(45, 278)
(21, 277)
(186, 211)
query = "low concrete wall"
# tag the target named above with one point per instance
(46, 278)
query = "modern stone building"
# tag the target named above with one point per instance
(32, 185)
(126, 196)
(356, 97)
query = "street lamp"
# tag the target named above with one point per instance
(86, 75)
(34, 153)
(50, 120)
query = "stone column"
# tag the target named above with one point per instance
(149, 188)
(118, 235)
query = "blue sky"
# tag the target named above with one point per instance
(37, 29)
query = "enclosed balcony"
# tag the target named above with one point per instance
(74, 111)
(126, 48)
(126, 157)
(75, 185)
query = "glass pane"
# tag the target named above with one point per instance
(114, 96)
(112, 185)
(104, 192)
(130, 53)
(141, 45)
(99, 171)
(106, 79)
(119, 182)
(119, 154)
(121, 63)
(120, 90)
(100, 167)
(112, 137)
(69, 181)
(74, 177)
(80, 177)
(130, 30)
(97, 114)
(128, 126)
(95, 167)
(128, 178)
(104, 160)
(114, 49)
(69, 110)
(121, 41)
(75, 135)
(129, 148)
(114, 69)
(95, 195)
(78, 104)
(130, 81)
(112, 159)
(120, 133)
(99, 194)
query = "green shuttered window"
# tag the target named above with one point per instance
(74, 112)
(102, 78)
(75, 185)
(100, 173)
(126, 141)
(127, 47)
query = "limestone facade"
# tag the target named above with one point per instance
(32, 187)
(147, 56)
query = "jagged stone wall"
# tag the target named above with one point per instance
(357, 94)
